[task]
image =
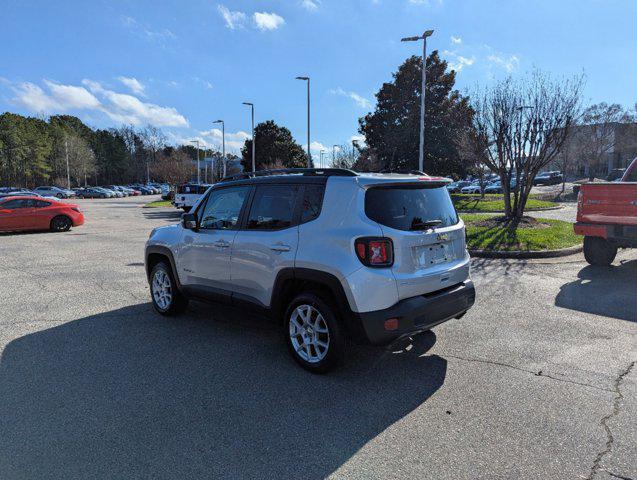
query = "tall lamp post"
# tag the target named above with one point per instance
(423, 37)
(309, 155)
(321, 153)
(251, 105)
(334, 147)
(198, 169)
(223, 144)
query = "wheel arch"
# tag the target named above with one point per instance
(293, 281)
(156, 254)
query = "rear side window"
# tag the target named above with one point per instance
(273, 207)
(409, 208)
(42, 204)
(312, 201)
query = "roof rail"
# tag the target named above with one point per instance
(321, 172)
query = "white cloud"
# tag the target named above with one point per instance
(234, 141)
(233, 19)
(461, 62)
(509, 62)
(360, 139)
(205, 83)
(267, 21)
(456, 40)
(310, 5)
(129, 109)
(93, 97)
(358, 99)
(60, 98)
(134, 85)
(144, 31)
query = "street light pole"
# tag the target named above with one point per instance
(223, 144)
(309, 155)
(198, 168)
(66, 151)
(421, 150)
(254, 169)
(321, 153)
(334, 147)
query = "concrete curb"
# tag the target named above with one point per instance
(521, 254)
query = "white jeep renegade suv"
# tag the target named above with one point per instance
(331, 254)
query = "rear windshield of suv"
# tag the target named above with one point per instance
(408, 208)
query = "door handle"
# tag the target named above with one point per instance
(280, 248)
(222, 244)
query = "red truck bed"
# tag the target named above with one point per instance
(607, 217)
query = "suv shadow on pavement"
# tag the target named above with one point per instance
(608, 291)
(163, 214)
(129, 394)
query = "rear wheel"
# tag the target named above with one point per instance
(167, 299)
(61, 223)
(313, 334)
(598, 251)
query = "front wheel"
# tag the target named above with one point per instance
(167, 299)
(61, 223)
(313, 334)
(598, 251)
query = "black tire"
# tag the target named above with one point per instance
(336, 349)
(186, 209)
(59, 195)
(598, 251)
(61, 223)
(178, 302)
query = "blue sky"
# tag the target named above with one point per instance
(182, 64)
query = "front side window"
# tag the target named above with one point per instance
(223, 207)
(410, 208)
(273, 207)
(14, 204)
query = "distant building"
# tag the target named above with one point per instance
(617, 143)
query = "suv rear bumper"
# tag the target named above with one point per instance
(415, 314)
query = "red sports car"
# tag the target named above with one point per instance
(36, 213)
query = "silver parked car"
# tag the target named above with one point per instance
(54, 192)
(330, 254)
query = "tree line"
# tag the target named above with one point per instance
(36, 151)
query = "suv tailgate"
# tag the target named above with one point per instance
(427, 257)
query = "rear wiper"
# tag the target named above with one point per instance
(425, 225)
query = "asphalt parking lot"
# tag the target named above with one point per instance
(537, 381)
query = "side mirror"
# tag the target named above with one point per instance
(189, 221)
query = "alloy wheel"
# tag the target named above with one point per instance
(162, 289)
(309, 333)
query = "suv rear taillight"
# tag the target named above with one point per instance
(375, 251)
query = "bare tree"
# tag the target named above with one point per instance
(598, 130)
(154, 140)
(525, 123)
(82, 162)
(174, 169)
(345, 157)
(472, 148)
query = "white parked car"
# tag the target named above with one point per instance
(471, 189)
